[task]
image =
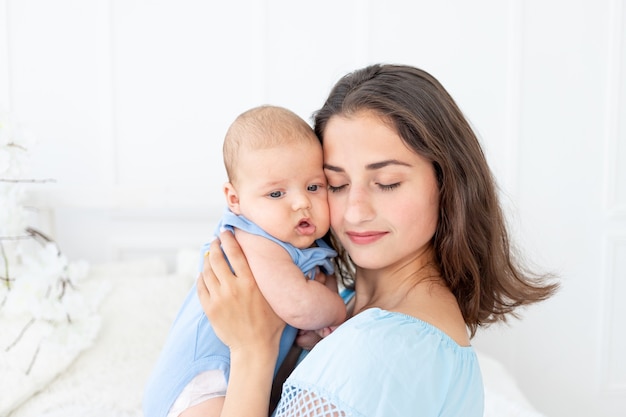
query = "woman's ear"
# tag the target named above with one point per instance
(232, 199)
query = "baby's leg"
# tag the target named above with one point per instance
(202, 396)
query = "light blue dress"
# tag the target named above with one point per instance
(382, 363)
(193, 347)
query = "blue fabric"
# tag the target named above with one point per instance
(306, 259)
(356, 370)
(193, 347)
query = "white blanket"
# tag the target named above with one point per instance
(107, 379)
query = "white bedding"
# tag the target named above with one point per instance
(107, 378)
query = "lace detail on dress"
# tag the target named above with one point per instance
(297, 402)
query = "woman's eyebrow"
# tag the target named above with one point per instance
(333, 168)
(372, 166)
(382, 164)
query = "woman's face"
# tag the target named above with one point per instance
(383, 197)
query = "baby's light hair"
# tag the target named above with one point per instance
(261, 128)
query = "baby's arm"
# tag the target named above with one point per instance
(328, 280)
(303, 303)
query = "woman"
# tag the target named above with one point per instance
(415, 216)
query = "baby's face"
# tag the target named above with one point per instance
(283, 190)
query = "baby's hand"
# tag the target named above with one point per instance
(320, 276)
(322, 333)
(307, 339)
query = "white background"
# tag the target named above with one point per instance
(129, 101)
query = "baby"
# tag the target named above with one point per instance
(277, 208)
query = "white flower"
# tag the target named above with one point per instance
(14, 145)
(13, 216)
(77, 270)
(46, 262)
(74, 305)
(26, 295)
(5, 161)
(37, 286)
(42, 279)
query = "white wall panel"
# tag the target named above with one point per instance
(614, 340)
(468, 46)
(308, 49)
(104, 106)
(616, 112)
(179, 82)
(612, 344)
(54, 84)
(5, 85)
(561, 179)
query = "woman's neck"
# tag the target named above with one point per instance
(392, 287)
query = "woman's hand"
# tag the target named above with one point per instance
(238, 312)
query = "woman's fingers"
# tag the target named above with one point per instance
(235, 255)
(216, 262)
(207, 282)
(203, 292)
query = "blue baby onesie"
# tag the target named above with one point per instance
(192, 346)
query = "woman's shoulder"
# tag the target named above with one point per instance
(390, 327)
(436, 305)
(377, 339)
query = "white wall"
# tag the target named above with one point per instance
(129, 101)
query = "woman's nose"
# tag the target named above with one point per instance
(358, 207)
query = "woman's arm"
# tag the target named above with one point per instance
(301, 302)
(245, 322)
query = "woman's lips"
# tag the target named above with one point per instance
(364, 238)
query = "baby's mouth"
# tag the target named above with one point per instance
(305, 227)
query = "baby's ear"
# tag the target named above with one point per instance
(232, 198)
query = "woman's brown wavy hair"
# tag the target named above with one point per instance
(471, 242)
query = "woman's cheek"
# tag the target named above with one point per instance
(335, 209)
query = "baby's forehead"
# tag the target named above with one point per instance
(305, 150)
(279, 138)
(289, 159)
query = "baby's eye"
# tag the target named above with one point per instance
(333, 189)
(313, 187)
(276, 194)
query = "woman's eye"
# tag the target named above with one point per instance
(333, 189)
(388, 187)
(276, 194)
